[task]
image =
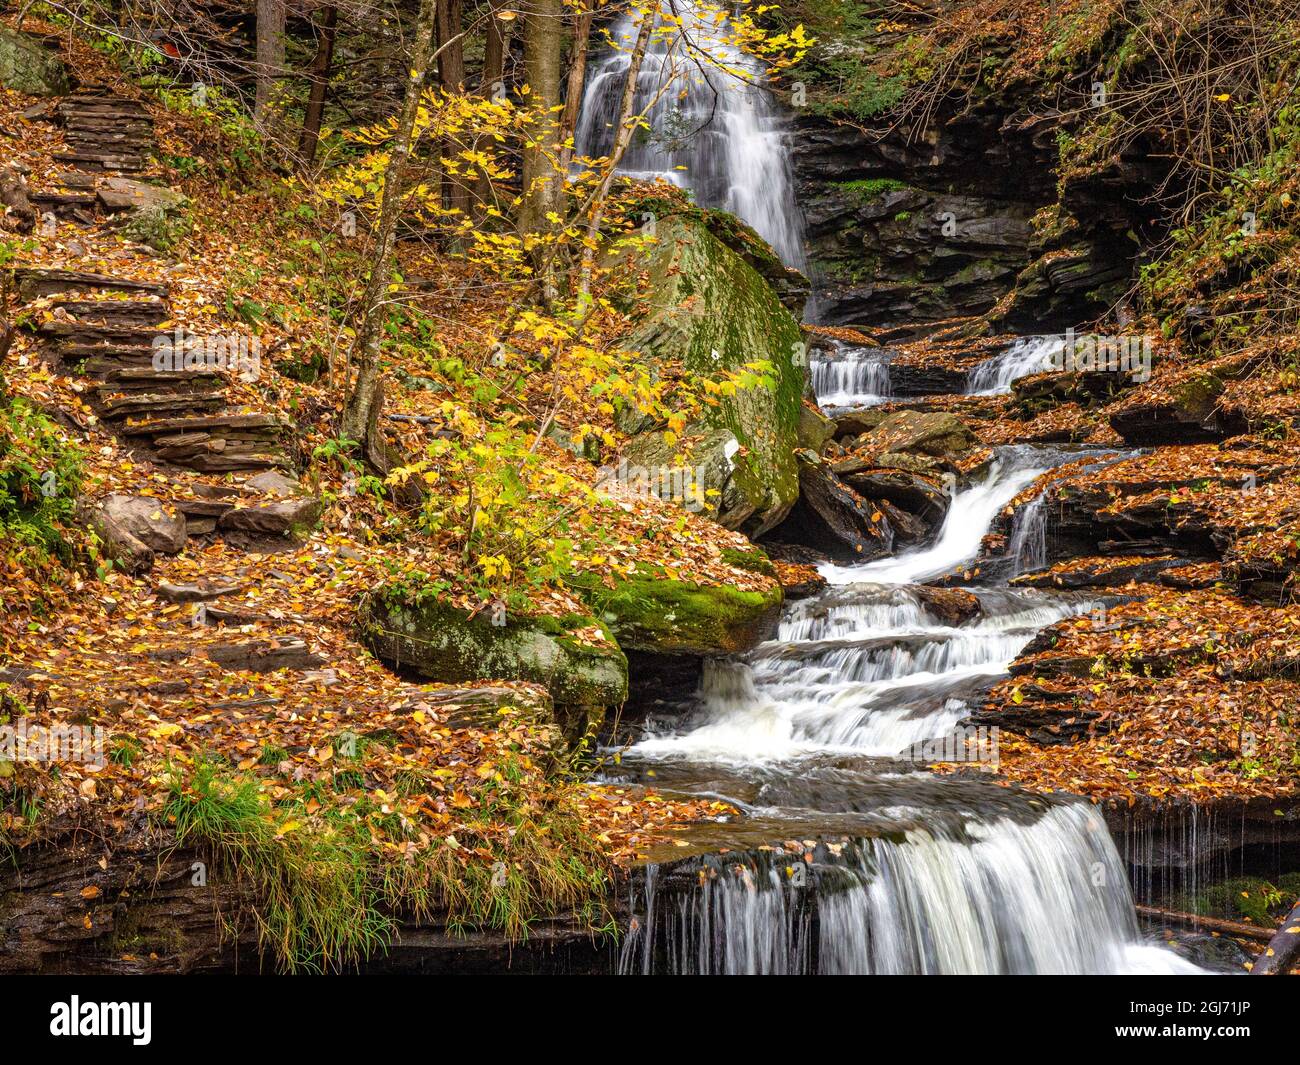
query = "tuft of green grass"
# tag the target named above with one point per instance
(316, 906)
(326, 892)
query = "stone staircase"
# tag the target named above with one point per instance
(105, 133)
(109, 331)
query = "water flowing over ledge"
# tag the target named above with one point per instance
(1002, 896)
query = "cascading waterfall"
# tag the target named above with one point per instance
(718, 135)
(1028, 355)
(814, 735)
(849, 376)
(981, 896)
(1028, 542)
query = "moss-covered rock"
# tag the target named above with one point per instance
(672, 617)
(575, 658)
(26, 65)
(711, 311)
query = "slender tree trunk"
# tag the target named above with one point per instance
(627, 124)
(319, 75)
(361, 411)
(543, 185)
(451, 76)
(270, 58)
(496, 43)
(577, 77)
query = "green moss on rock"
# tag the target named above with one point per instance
(677, 617)
(443, 643)
(712, 311)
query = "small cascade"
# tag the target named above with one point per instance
(716, 134)
(1006, 895)
(1028, 355)
(1027, 547)
(851, 376)
(969, 518)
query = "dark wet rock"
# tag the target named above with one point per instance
(952, 606)
(857, 423)
(830, 516)
(914, 492)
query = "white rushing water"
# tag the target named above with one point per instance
(969, 518)
(848, 376)
(1028, 355)
(824, 719)
(982, 897)
(713, 132)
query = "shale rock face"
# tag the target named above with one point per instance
(832, 518)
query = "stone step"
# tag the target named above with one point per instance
(130, 312)
(114, 406)
(201, 591)
(217, 423)
(56, 200)
(147, 379)
(33, 282)
(103, 162)
(78, 338)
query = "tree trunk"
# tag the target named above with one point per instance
(495, 46)
(451, 75)
(270, 58)
(1283, 950)
(319, 75)
(543, 186)
(361, 411)
(577, 77)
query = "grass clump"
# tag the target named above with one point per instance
(328, 886)
(316, 908)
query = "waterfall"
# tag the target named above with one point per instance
(969, 518)
(1028, 355)
(716, 134)
(1007, 895)
(850, 376)
(1028, 542)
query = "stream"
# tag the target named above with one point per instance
(850, 856)
(820, 735)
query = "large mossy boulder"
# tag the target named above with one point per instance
(660, 616)
(711, 311)
(28, 66)
(575, 658)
